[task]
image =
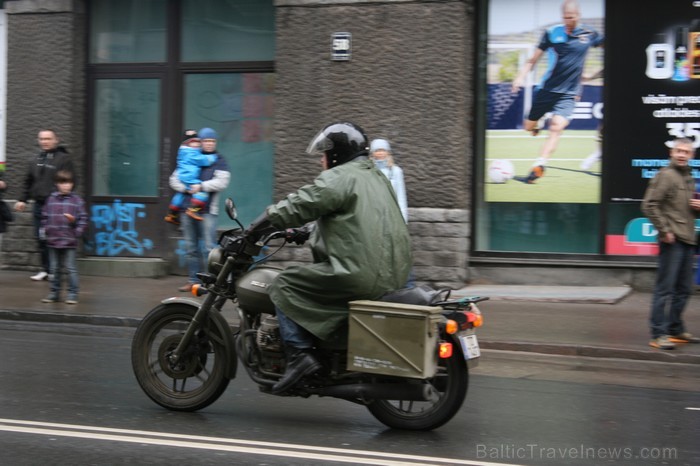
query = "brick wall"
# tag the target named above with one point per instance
(409, 79)
(20, 250)
(45, 89)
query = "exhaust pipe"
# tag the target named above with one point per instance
(380, 391)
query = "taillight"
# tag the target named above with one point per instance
(445, 350)
(475, 318)
(464, 320)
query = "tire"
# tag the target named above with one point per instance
(199, 378)
(450, 382)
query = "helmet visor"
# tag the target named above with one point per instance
(319, 144)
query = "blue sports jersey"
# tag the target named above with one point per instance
(566, 55)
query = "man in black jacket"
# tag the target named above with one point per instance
(39, 183)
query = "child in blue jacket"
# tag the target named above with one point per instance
(190, 161)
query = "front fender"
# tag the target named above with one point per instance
(178, 300)
(221, 325)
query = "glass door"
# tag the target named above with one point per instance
(125, 174)
(240, 107)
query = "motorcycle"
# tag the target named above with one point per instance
(184, 353)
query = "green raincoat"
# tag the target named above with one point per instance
(361, 246)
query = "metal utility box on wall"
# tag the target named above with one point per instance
(393, 339)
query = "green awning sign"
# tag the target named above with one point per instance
(641, 230)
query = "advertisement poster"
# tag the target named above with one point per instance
(653, 76)
(557, 161)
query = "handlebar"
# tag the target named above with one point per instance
(240, 242)
(267, 238)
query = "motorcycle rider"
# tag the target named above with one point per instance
(361, 246)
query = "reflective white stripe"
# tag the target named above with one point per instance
(230, 445)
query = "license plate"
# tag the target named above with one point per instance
(470, 347)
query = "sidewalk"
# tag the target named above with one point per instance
(602, 322)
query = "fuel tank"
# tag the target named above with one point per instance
(253, 289)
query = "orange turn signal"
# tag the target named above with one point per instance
(445, 350)
(199, 290)
(451, 327)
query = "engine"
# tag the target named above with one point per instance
(268, 337)
(268, 353)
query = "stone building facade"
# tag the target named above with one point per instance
(410, 79)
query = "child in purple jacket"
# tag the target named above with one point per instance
(63, 222)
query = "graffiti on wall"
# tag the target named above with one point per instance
(115, 231)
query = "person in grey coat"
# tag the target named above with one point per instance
(670, 204)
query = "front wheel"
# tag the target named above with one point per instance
(450, 383)
(200, 375)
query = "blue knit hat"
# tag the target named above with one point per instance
(379, 144)
(207, 133)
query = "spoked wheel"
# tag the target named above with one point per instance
(198, 378)
(450, 384)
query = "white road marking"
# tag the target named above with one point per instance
(693, 409)
(229, 445)
(535, 158)
(522, 134)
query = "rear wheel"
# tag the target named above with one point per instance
(450, 384)
(199, 376)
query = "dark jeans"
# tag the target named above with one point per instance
(200, 236)
(293, 335)
(674, 279)
(64, 259)
(43, 248)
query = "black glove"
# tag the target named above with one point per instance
(260, 227)
(297, 235)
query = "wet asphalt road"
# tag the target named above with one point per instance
(65, 388)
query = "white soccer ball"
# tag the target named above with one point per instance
(501, 171)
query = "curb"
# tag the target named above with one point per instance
(64, 318)
(601, 352)
(548, 294)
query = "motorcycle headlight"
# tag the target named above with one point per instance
(215, 261)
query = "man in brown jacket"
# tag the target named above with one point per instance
(670, 205)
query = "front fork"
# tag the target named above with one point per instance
(202, 313)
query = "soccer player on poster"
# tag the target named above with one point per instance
(567, 45)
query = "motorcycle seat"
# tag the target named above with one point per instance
(422, 295)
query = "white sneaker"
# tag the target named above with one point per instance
(590, 160)
(40, 276)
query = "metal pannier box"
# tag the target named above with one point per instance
(393, 339)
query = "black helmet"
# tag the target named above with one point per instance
(340, 142)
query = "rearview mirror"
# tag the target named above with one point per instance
(231, 209)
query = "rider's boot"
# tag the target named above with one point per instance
(301, 364)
